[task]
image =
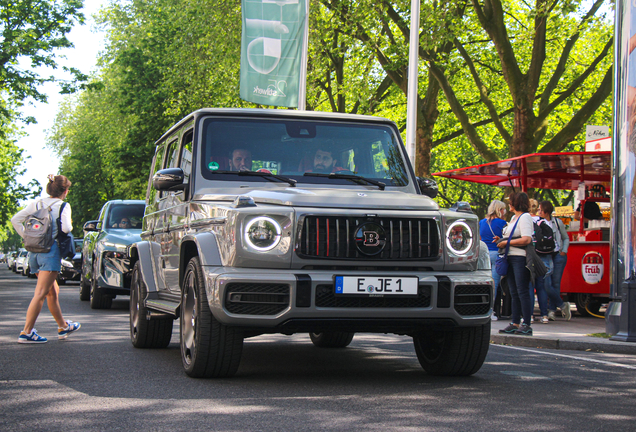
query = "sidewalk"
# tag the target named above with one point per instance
(562, 334)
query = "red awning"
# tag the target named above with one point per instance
(541, 170)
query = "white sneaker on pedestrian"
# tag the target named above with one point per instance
(551, 316)
(494, 317)
(565, 311)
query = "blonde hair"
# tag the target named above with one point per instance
(494, 208)
(534, 206)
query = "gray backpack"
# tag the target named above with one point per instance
(38, 230)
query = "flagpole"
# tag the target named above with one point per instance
(411, 96)
(302, 85)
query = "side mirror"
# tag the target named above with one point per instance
(169, 179)
(462, 207)
(91, 226)
(428, 187)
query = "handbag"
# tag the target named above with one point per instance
(65, 241)
(501, 264)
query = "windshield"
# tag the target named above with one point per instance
(126, 216)
(292, 148)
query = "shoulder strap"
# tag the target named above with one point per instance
(62, 209)
(488, 222)
(510, 235)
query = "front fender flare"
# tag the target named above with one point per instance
(144, 256)
(203, 245)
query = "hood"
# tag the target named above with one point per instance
(332, 198)
(123, 236)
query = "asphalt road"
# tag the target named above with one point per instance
(96, 381)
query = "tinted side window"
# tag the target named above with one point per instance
(157, 165)
(186, 155)
(173, 154)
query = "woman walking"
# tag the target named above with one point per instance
(489, 228)
(556, 260)
(47, 265)
(518, 274)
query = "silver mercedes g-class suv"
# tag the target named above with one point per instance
(279, 221)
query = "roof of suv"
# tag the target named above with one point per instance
(275, 113)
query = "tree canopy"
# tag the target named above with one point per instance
(497, 78)
(30, 33)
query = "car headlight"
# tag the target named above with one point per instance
(459, 237)
(263, 233)
(67, 263)
(118, 247)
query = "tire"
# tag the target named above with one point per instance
(85, 289)
(98, 299)
(145, 333)
(459, 351)
(585, 302)
(209, 349)
(334, 339)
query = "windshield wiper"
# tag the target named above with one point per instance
(291, 181)
(353, 177)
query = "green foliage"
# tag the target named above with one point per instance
(167, 58)
(33, 30)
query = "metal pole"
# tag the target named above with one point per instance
(411, 97)
(620, 317)
(302, 85)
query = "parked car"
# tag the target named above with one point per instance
(273, 221)
(11, 256)
(105, 269)
(20, 260)
(26, 268)
(72, 268)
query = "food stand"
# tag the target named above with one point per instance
(586, 277)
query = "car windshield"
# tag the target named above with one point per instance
(292, 148)
(78, 245)
(126, 216)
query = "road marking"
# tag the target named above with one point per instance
(568, 356)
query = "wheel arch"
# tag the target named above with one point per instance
(140, 251)
(204, 246)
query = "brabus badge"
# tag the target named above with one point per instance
(370, 238)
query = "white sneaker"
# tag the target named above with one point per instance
(494, 317)
(565, 310)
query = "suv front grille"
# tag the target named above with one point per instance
(326, 297)
(333, 237)
(256, 298)
(472, 299)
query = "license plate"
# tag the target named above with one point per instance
(377, 286)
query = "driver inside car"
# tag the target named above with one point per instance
(123, 223)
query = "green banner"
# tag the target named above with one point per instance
(271, 51)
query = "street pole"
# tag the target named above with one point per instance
(302, 85)
(620, 317)
(411, 96)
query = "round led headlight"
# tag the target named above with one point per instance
(262, 233)
(459, 237)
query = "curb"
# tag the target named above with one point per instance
(602, 345)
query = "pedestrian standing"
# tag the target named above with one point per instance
(47, 265)
(518, 276)
(558, 260)
(489, 228)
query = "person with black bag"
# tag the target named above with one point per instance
(517, 236)
(46, 264)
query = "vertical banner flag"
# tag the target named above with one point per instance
(271, 51)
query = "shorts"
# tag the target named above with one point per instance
(49, 261)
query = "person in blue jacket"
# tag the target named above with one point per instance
(490, 227)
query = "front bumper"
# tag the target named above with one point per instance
(300, 299)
